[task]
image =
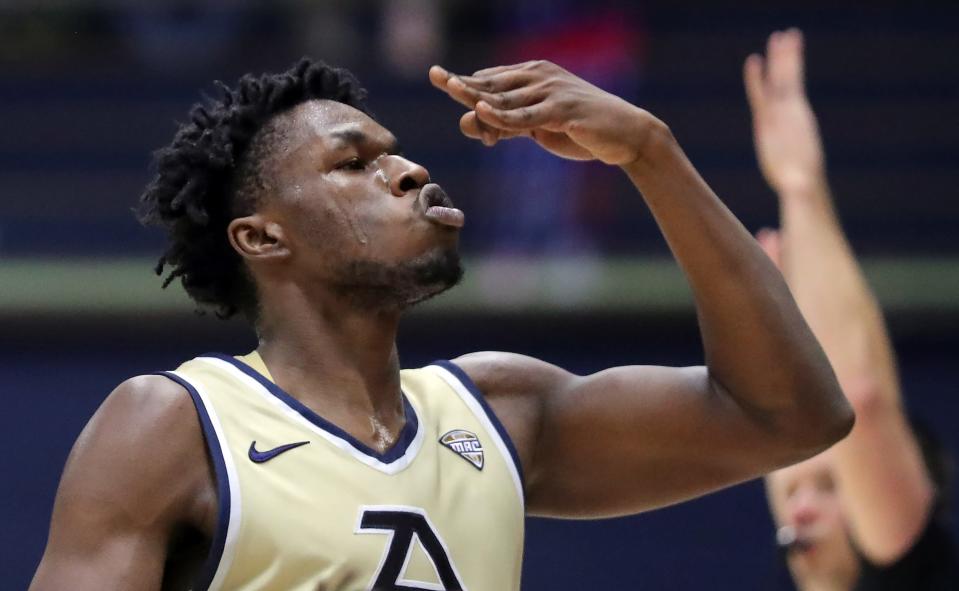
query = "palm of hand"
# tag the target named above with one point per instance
(787, 142)
(787, 139)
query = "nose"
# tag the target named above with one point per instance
(404, 175)
(804, 510)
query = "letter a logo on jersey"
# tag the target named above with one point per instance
(408, 527)
(466, 444)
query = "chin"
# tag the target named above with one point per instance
(391, 287)
(431, 275)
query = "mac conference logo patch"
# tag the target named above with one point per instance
(467, 445)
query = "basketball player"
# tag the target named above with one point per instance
(862, 515)
(313, 462)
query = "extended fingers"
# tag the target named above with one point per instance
(509, 99)
(442, 79)
(500, 69)
(753, 80)
(779, 73)
(439, 77)
(784, 54)
(504, 102)
(500, 81)
(505, 90)
(471, 125)
(519, 119)
(473, 128)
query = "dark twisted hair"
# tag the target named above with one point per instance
(213, 172)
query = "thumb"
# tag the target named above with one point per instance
(754, 83)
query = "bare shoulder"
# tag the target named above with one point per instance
(517, 388)
(141, 412)
(511, 375)
(142, 450)
(137, 474)
(145, 398)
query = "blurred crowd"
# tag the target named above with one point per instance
(90, 88)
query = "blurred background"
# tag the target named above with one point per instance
(564, 262)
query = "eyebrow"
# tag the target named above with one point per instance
(357, 137)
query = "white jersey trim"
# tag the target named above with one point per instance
(470, 400)
(233, 481)
(394, 467)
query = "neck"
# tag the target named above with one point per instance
(334, 357)
(837, 580)
(814, 584)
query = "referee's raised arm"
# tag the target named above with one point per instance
(877, 515)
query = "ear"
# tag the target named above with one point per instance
(257, 238)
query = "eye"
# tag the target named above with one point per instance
(352, 164)
(825, 483)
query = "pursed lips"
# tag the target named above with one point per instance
(438, 207)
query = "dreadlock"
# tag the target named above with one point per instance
(212, 172)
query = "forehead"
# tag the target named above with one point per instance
(814, 467)
(331, 124)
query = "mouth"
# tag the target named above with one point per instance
(793, 541)
(438, 207)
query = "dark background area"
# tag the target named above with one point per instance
(89, 89)
(89, 93)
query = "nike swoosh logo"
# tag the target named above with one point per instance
(265, 456)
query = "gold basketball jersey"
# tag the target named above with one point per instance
(304, 506)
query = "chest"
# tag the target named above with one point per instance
(301, 505)
(322, 507)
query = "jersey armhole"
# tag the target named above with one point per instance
(214, 567)
(474, 399)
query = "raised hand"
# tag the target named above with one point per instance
(788, 144)
(563, 113)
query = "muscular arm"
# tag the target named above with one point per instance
(632, 438)
(132, 477)
(884, 486)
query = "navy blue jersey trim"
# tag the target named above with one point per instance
(222, 485)
(471, 387)
(407, 434)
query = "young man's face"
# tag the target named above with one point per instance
(358, 217)
(804, 497)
